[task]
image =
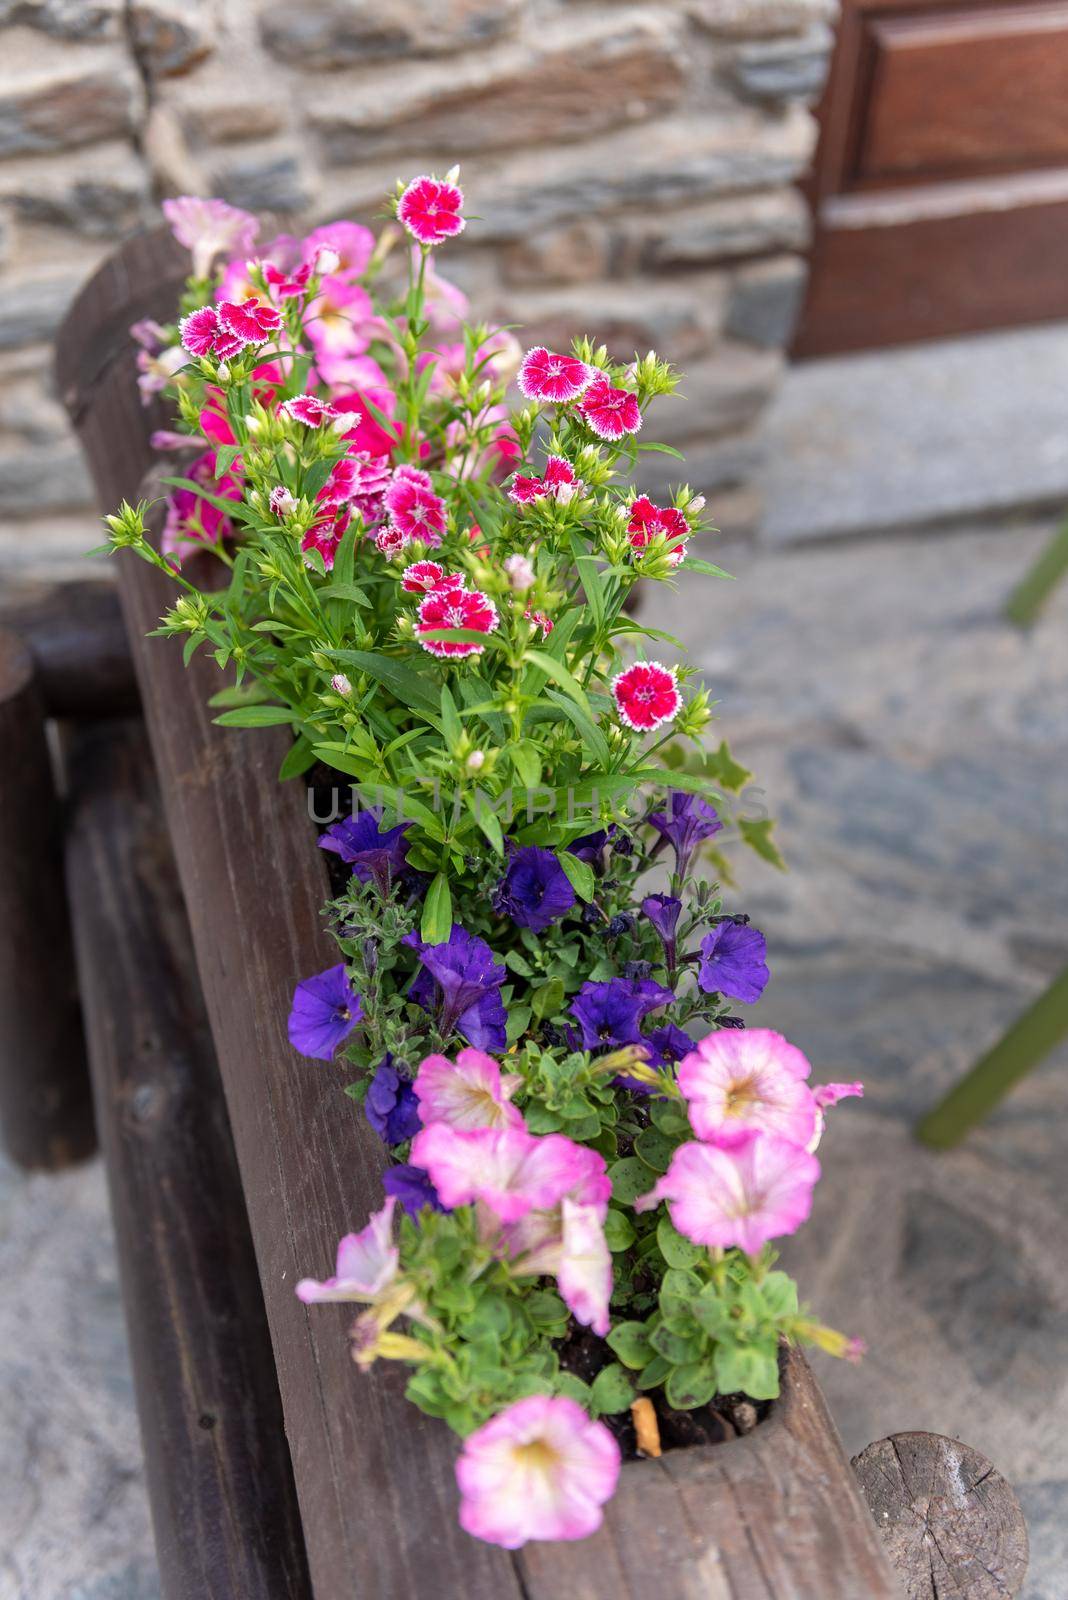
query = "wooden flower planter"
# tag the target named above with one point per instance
(774, 1514)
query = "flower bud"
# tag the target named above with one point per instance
(223, 372)
(281, 501)
(476, 761)
(520, 573)
(340, 684)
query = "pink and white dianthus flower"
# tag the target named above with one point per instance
(470, 1093)
(455, 608)
(610, 412)
(430, 209)
(647, 520)
(539, 619)
(350, 242)
(423, 577)
(252, 321)
(742, 1194)
(327, 532)
(367, 1263)
(281, 501)
(646, 695)
(368, 479)
(391, 542)
(209, 228)
(747, 1080)
(509, 1170)
(203, 334)
(541, 1469)
(309, 409)
(415, 509)
(544, 375)
(559, 482)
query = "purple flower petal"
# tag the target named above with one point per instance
(535, 891)
(325, 1010)
(733, 962)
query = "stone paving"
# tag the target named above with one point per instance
(913, 748)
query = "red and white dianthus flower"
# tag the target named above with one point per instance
(647, 520)
(423, 577)
(559, 482)
(430, 210)
(327, 532)
(202, 334)
(610, 412)
(312, 411)
(544, 375)
(455, 608)
(415, 510)
(539, 619)
(281, 501)
(646, 695)
(391, 541)
(252, 321)
(286, 285)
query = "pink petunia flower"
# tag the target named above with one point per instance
(414, 508)
(470, 1094)
(422, 577)
(540, 1469)
(310, 410)
(156, 371)
(543, 375)
(559, 482)
(829, 1094)
(352, 244)
(202, 334)
(510, 1171)
(367, 1263)
(430, 210)
(610, 412)
(647, 520)
(646, 695)
(286, 285)
(252, 321)
(743, 1194)
(338, 319)
(193, 521)
(455, 608)
(569, 1243)
(209, 228)
(740, 1081)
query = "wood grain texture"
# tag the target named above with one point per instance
(950, 1523)
(220, 1485)
(773, 1515)
(76, 636)
(46, 1118)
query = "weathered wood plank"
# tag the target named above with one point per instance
(220, 1483)
(76, 636)
(46, 1117)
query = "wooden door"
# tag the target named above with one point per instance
(940, 189)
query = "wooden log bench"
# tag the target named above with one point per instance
(773, 1515)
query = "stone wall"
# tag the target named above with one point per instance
(633, 163)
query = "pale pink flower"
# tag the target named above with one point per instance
(559, 482)
(337, 319)
(351, 243)
(367, 1263)
(610, 412)
(520, 573)
(340, 684)
(310, 410)
(345, 374)
(540, 1469)
(430, 210)
(455, 608)
(569, 1244)
(209, 228)
(469, 1094)
(155, 372)
(744, 1080)
(540, 620)
(543, 375)
(829, 1094)
(742, 1194)
(509, 1170)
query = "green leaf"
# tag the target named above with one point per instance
(559, 674)
(574, 1388)
(547, 999)
(691, 564)
(676, 1251)
(779, 1294)
(630, 1178)
(757, 836)
(584, 724)
(436, 924)
(654, 1372)
(411, 688)
(693, 1384)
(655, 1149)
(670, 1118)
(526, 760)
(713, 1311)
(677, 1347)
(256, 717)
(630, 1342)
(721, 766)
(679, 1291)
(579, 874)
(751, 1369)
(619, 1231)
(451, 725)
(298, 758)
(613, 1390)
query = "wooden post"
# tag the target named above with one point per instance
(216, 1462)
(46, 1115)
(950, 1523)
(75, 634)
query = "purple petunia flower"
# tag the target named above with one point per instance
(391, 1106)
(732, 962)
(684, 824)
(535, 891)
(412, 1188)
(610, 1014)
(591, 847)
(462, 978)
(668, 1044)
(326, 1008)
(663, 912)
(373, 853)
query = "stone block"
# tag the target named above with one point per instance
(711, 466)
(784, 69)
(170, 36)
(46, 108)
(35, 481)
(31, 309)
(630, 318)
(759, 19)
(724, 394)
(764, 301)
(564, 82)
(222, 102)
(329, 34)
(99, 193)
(66, 19)
(724, 230)
(572, 254)
(269, 177)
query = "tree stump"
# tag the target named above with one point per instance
(951, 1525)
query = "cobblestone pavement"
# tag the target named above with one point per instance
(913, 748)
